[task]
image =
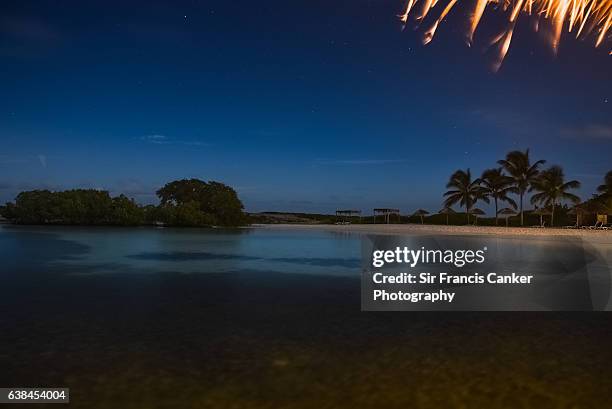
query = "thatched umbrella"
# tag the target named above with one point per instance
(477, 212)
(578, 212)
(421, 213)
(446, 211)
(507, 212)
(542, 212)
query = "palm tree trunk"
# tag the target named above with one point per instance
(447, 219)
(421, 219)
(496, 211)
(552, 215)
(467, 212)
(521, 209)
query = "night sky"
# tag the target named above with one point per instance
(300, 105)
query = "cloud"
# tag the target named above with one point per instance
(158, 139)
(191, 143)
(43, 160)
(524, 124)
(593, 131)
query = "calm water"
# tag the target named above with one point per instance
(101, 310)
(101, 250)
(581, 268)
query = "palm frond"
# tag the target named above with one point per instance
(571, 197)
(572, 184)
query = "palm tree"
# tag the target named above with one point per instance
(523, 173)
(420, 213)
(552, 188)
(465, 191)
(477, 212)
(498, 186)
(606, 188)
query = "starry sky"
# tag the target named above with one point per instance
(301, 105)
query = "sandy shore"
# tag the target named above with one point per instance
(400, 229)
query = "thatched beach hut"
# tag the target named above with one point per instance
(507, 213)
(421, 213)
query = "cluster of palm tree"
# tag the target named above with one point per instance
(605, 190)
(516, 175)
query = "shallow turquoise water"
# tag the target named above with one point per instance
(581, 267)
(98, 250)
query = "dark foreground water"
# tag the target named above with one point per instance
(146, 318)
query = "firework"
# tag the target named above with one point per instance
(583, 18)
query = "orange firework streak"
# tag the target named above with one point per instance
(582, 17)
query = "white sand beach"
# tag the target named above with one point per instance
(401, 229)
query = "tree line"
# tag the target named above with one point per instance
(517, 175)
(187, 202)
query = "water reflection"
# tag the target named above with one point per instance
(147, 250)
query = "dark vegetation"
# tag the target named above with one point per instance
(519, 176)
(459, 218)
(294, 218)
(515, 178)
(192, 202)
(188, 202)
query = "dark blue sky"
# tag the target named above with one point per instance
(300, 105)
